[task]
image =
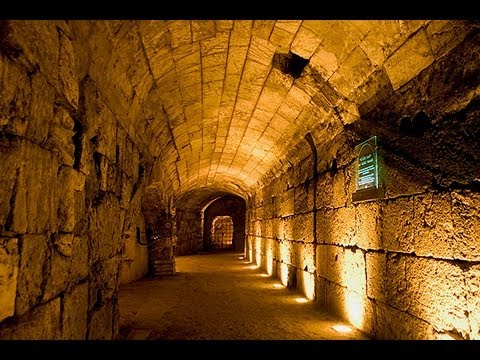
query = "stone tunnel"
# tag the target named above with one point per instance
(121, 142)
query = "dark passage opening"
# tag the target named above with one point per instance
(218, 215)
(289, 63)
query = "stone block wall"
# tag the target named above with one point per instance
(189, 232)
(71, 173)
(402, 267)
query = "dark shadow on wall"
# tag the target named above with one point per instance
(229, 205)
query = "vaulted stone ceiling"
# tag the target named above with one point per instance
(209, 104)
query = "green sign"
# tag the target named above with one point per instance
(367, 166)
(367, 170)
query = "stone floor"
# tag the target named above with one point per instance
(220, 296)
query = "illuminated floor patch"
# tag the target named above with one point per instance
(301, 300)
(342, 328)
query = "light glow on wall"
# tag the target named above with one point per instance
(258, 251)
(285, 250)
(355, 281)
(355, 308)
(269, 257)
(284, 273)
(278, 286)
(308, 282)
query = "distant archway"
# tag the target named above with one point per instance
(222, 232)
(229, 206)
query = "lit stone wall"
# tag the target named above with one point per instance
(406, 266)
(71, 175)
(189, 232)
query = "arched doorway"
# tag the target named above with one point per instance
(222, 232)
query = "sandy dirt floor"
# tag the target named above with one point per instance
(221, 297)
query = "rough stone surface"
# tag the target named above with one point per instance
(35, 255)
(101, 323)
(376, 276)
(8, 276)
(75, 305)
(42, 323)
(419, 57)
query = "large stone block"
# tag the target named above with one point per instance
(368, 320)
(43, 98)
(15, 98)
(12, 203)
(396, 273)
(340, 195)
(324, 226)
(277, 230)
(305, 43)
(105, 229)
(67, 75)
(320, 291)
(472, 280)
(39, 43)
(354, 271)
(68, 264)
(444, 35)
(401, 177)
(436, 293)
(74, 316)
(287, 203)
(100, 326)
(303, 256)
(302, 227)
(411, 58)
(342, 225)
(398, 225)
(38, 185)
(367, 225)
(32, 211)
(71, 184)
(335, 299)
(8, 276)
(306, 283)
(34, 256)
(104, 280)
(393, 324)
(60, 136)
(377, 275)
(304, 198)
(466, 211)
(42, 323)
(434, 226)
(268, 232)
(330, 263)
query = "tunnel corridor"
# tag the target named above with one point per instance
(345, 152)
(221, 296)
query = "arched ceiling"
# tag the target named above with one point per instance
(227, 115)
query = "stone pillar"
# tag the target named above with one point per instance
(160, 237)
